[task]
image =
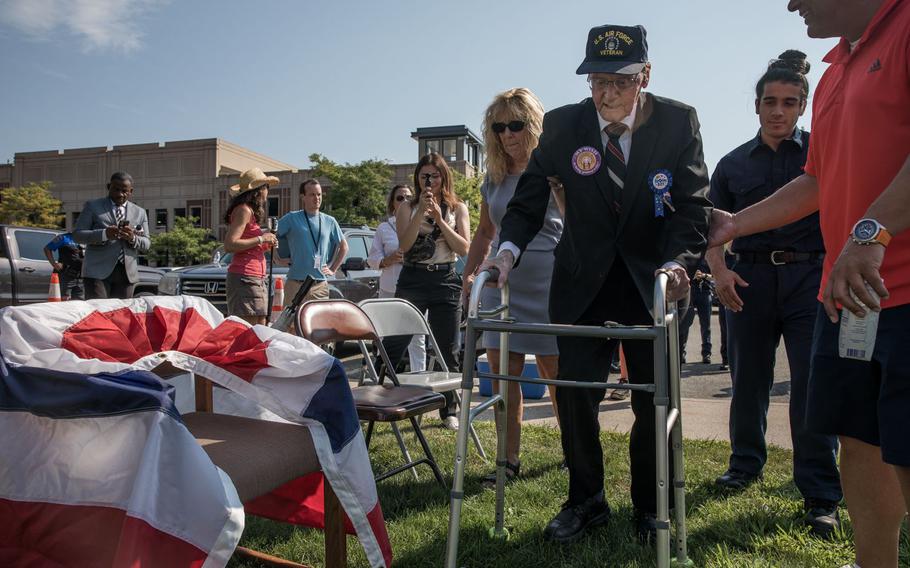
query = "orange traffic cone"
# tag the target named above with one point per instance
(53, 291)
(278, 300)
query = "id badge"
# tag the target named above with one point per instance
(317, 261)
(856, 339)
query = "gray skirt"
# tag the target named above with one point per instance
(529, 298)
(247, 295)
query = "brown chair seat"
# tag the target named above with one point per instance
(240, 447)
(387, 403)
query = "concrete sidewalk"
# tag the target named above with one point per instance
(703, 419)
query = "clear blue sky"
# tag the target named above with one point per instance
(352, 79)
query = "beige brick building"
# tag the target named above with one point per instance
(190, 178)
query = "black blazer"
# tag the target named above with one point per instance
(665, 136)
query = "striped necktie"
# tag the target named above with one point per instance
(118, 215)
(616, 161)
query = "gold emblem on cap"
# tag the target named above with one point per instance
(612, 45)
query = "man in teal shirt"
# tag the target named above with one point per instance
(314, 243)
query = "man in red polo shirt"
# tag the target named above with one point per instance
(858, 177)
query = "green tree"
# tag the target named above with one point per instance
(184, 244)
(357, 193)
(31, 205)
(468, 189)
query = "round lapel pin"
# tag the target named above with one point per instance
(586, 161)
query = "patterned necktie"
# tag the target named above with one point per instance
(616, 161)
(118, 216)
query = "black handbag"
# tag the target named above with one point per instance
(424, 247)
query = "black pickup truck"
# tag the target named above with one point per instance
(25, 273)
(354, 280)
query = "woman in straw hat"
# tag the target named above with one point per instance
(247, 291)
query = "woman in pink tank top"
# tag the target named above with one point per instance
(247, 290)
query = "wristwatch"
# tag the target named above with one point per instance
(870, 232)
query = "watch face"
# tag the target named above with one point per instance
(865, 230)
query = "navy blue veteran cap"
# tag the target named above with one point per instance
(615, 49)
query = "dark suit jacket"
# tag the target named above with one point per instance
(665, 136)
(101, 256)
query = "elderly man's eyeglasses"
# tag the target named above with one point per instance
(621, 84)
(513, 126)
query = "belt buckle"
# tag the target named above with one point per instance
(774, 260)
(431, 268)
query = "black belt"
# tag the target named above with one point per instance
(778, 257)
(441, 267)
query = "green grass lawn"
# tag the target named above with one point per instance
(758, 528)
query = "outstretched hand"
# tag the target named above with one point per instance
(725, 283)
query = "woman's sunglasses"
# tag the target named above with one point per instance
(514, 126)
(402, 197)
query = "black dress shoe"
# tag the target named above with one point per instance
(645, 526)
(574, 520)
(822, 517)
(736, 480)
(706, 359)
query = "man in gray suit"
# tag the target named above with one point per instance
(115, 231)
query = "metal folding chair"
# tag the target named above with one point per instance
(395, 316)
(325, 321)
(665, 336)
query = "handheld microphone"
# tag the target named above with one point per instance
(427, 182)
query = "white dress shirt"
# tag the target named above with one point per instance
(115, 207)
(385, 242)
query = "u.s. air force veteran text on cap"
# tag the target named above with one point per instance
(615, 49)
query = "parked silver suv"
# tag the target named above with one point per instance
(354, 280)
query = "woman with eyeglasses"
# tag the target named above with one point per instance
(386, 256)
(247, 291)
(511, 128)
(433, 231)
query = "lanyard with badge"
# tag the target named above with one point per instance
(317, 257)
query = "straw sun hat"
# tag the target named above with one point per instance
(252, 179)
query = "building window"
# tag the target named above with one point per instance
(433, 146)
(196, 214)
(75, 215)
(274, 202)
(161, 219)
(179, 212)
(448, 149)
(200, 210)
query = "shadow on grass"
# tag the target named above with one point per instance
(760, 527)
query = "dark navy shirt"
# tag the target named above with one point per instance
(754, 171)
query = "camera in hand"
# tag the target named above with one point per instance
(123, 223)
